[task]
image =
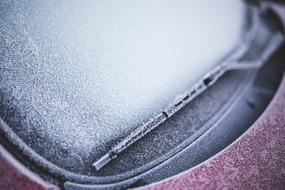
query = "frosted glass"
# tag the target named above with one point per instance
(98, 69)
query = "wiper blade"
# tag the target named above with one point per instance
(240, 59)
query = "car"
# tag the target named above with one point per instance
(142, 95)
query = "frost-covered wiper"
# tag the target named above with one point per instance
(259, 44)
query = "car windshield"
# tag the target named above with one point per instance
(81, 73)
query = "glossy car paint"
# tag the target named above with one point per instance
(15, 176)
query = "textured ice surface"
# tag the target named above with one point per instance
(80, 74)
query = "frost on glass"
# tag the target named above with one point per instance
(84, 72)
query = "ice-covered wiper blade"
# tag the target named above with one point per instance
(259, 45)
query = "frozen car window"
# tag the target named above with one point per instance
(80, 73)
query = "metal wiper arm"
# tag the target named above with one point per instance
(234, 62)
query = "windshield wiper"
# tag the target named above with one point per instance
(241, 58)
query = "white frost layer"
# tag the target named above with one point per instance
(123, 61)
